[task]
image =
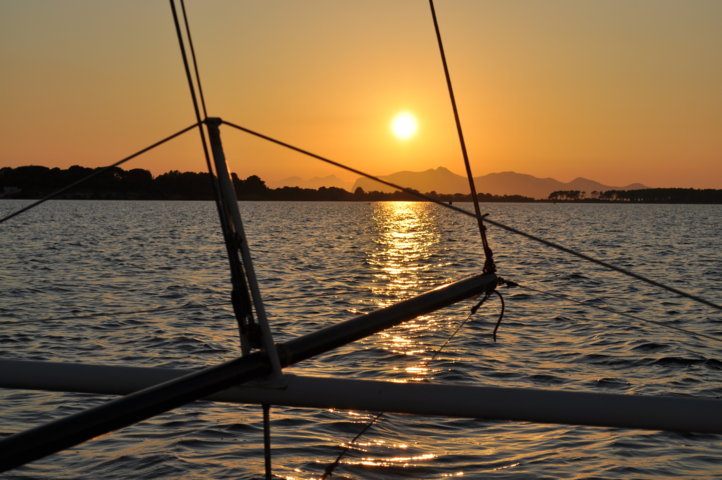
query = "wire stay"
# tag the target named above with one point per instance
(192, 88)
(193, 58)
(496, 223)
(611, 310)
(240, 297)
(378, 415)
(245, 295)
(96, 173)
(489, 266)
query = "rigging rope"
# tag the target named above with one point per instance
(96, 173)
(332, 466)
(489, 266)
(192, 89)
(198, 123)
(510, 283)
(501, 314)
(267, 440)
(242, 303)
(240, 299)
(496, 223)
(193, 57)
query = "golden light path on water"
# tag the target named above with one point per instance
(407, 238)
(407, 235)
(83, 257)
(407, 256)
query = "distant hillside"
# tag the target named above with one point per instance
(441, 180)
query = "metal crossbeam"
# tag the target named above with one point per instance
(38, 442)
(520, 404)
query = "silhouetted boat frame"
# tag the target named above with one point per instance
(150, 391)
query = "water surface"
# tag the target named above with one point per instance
(74, 272)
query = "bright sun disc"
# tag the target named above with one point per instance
(404, 125)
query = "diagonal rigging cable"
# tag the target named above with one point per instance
(191, 86)
(489, 266)
(96, 173)
(496, 223)
(239, 284)
(198, 124)
(196, 95)
(630, 316)
(377, 416)
(242, 305)
(193, 57)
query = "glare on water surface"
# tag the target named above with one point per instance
(321, 263)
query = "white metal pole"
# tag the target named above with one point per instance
(683, 414)
(231, 203)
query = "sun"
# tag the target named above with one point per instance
(404, 125)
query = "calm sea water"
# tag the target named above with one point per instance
(72, 273)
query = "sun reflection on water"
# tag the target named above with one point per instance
(406, 238)
(397, 461)
(406, 261)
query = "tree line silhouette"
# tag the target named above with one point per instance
(647, 195)
(139, 184)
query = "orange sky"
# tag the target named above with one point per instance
(619, 92)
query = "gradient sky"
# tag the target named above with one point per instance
(616, 91)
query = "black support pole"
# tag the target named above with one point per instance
(55, 436)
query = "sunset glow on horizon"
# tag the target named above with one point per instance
(616, 92)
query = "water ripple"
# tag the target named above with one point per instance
(80, 265)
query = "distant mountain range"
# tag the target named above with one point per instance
(442, 180)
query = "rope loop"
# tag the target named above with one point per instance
(484, 297)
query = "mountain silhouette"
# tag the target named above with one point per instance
(442, 180)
